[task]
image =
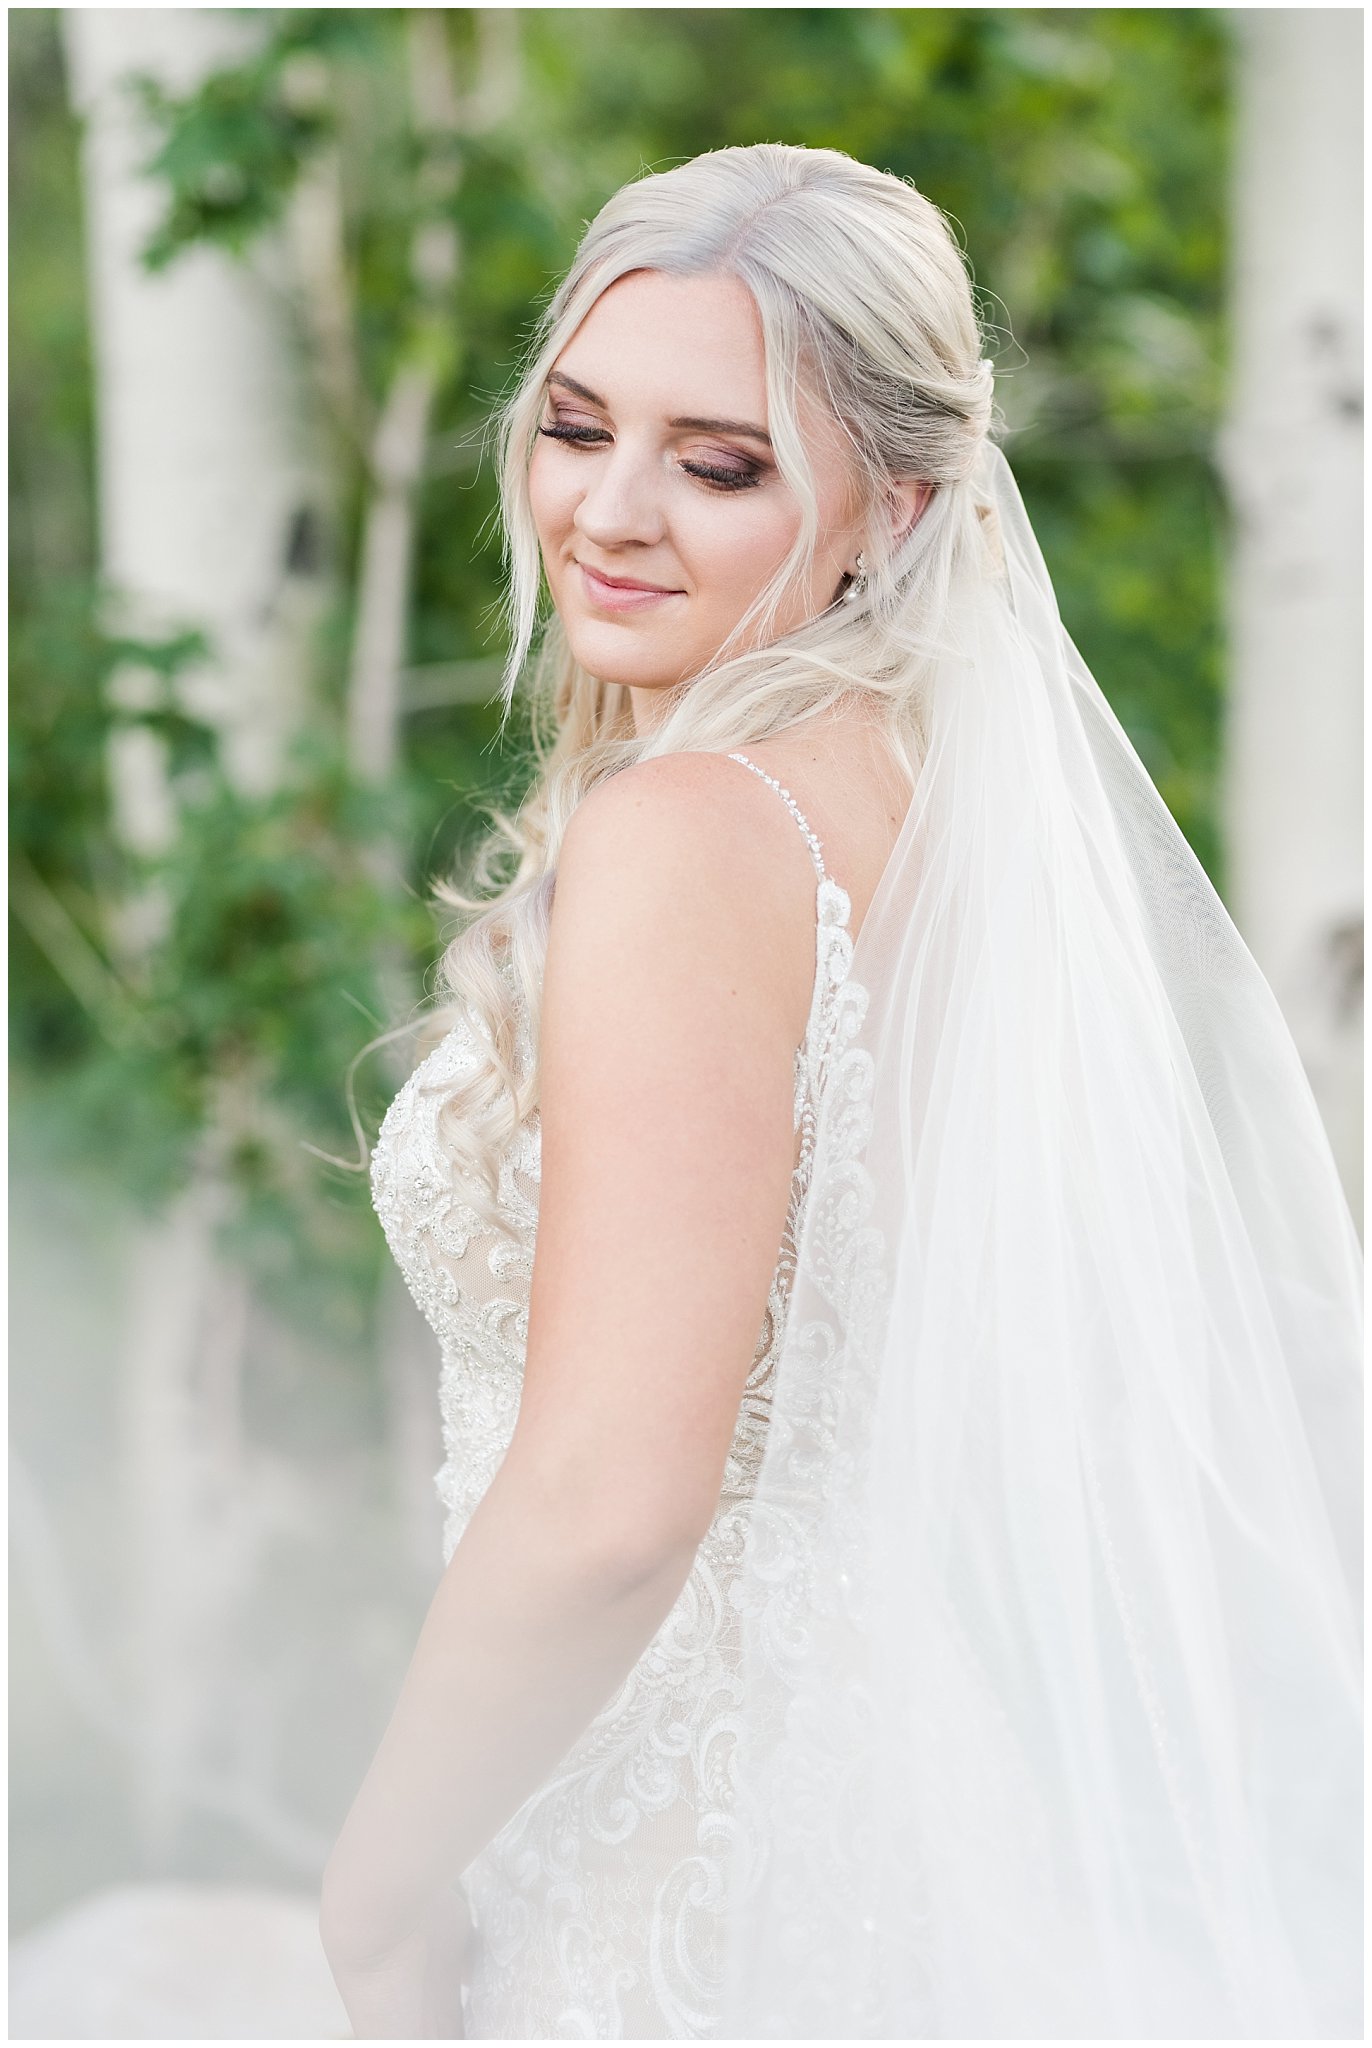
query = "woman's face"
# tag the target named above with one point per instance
(659, 506)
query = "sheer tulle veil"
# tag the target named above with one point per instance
(1050, 1606)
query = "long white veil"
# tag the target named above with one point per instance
(1051, 1604)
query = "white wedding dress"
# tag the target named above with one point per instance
(598, 1907)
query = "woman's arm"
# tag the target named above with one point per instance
(531, 1629)
(678, 976)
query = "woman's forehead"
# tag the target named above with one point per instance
(692, 344)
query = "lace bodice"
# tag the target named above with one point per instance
(596, 1905)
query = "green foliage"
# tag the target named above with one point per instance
(262, 993)
(233, 148)
(1081, 156)
(263, 986)
(57, 794)
(51, 492)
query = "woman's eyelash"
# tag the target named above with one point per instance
(709, 472)
(559, 432)
(732, 479)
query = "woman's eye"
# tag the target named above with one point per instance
(731, 478)
(569, 430)
(717, 475)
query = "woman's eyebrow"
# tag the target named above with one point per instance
(724, 427)
(699, 426)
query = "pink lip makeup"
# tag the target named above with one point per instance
(619, 597)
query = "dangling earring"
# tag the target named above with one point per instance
(858, 584)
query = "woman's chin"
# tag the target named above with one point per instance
(615, 656)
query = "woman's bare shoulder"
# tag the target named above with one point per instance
(852, 791)
(670, 794)
(691, 813)
(682, 865)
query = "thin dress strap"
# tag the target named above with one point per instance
(831, 911)
(811, 838)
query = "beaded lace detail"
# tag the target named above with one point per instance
(598, 1904)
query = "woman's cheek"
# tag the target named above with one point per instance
(550, 507)
(744, 547)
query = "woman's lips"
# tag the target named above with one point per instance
(618, 597)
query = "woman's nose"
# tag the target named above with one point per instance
(621, 501)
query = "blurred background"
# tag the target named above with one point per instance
(268, 270)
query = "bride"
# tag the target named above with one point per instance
(898, 1319)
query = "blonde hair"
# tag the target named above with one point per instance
(866, 304)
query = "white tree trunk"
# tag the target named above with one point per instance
(210, 506)
(1292, 452)
(208, 479)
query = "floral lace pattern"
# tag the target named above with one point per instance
(598, 1906)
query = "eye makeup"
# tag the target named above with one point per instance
(717, 475)
(733, 476)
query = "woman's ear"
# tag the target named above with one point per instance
(909, 496)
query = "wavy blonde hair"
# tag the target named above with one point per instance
(866, 304)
